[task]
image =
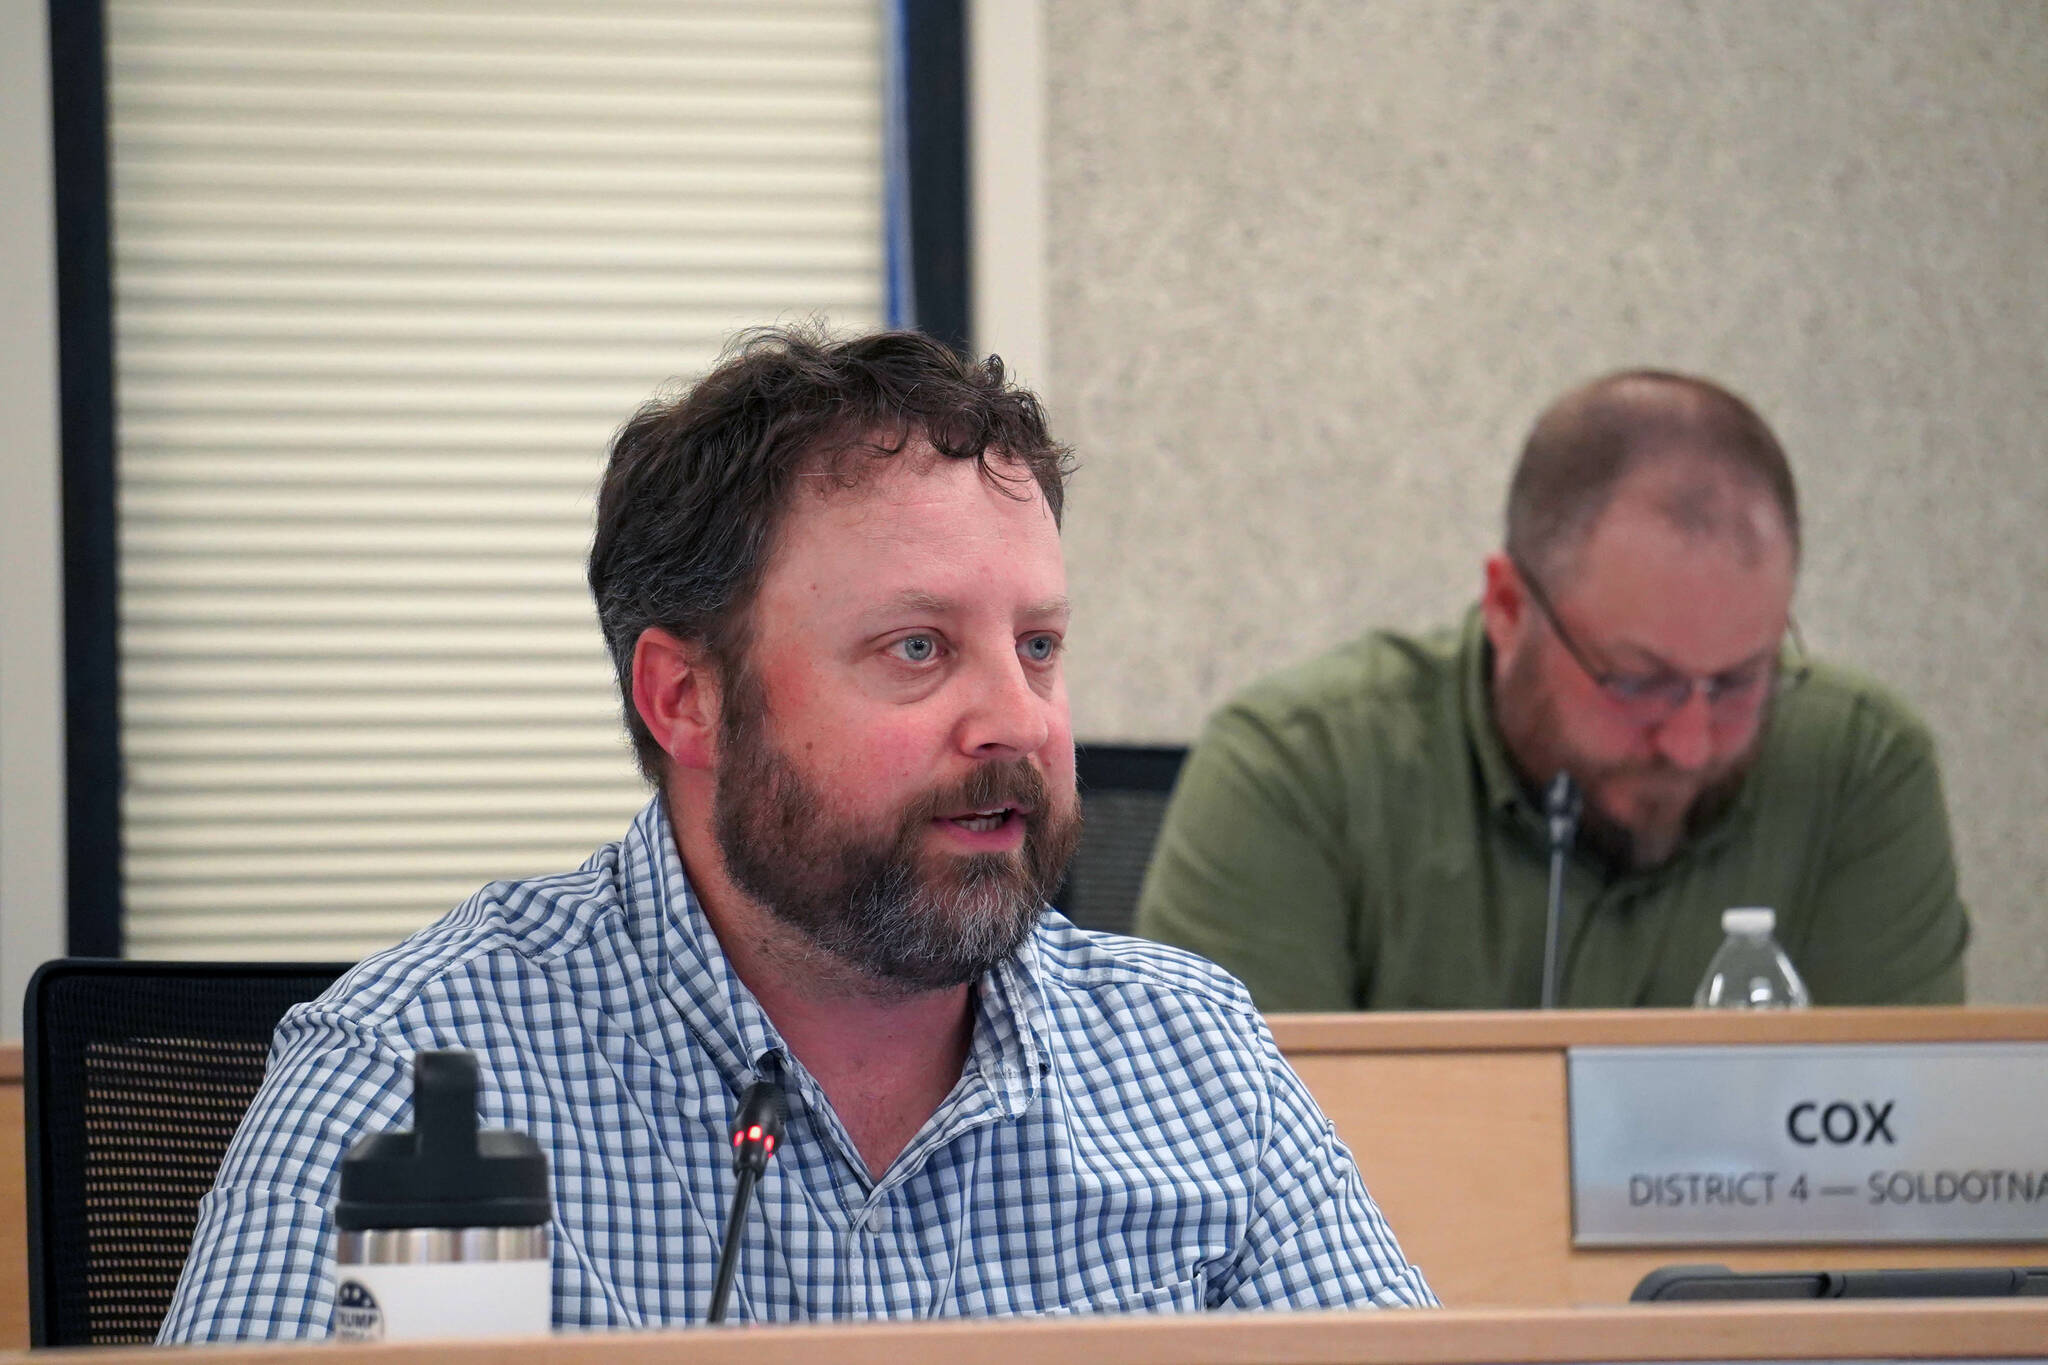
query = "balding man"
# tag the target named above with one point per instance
(1365, 831)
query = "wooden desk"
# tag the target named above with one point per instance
(2009, 1330)
(13, 1203)
(1459, 1122)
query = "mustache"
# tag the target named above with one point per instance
(1008, 782)
(1660, 769)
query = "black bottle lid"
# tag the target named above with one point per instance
(442, 1172)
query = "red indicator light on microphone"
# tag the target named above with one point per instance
(757, 1128)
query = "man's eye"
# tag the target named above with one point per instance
(1633, 686)
(1041, 649)
(1739, 682)
(917, 649)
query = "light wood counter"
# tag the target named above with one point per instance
(13, 1203)
(1303, 1035)
(2009, 1330)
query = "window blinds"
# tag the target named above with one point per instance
(386, 277)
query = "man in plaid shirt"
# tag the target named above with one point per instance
(831, 581)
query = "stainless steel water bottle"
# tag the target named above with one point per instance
(443, 1230)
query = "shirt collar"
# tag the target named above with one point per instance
(693, 971)
(1011, 1027)
(1503, 784)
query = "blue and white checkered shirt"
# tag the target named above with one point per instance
(1124, 1135)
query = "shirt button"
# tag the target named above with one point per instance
(874, 1218)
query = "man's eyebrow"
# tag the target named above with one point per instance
(1060, 606)
(920, 602)
(1659, 663)
(915, 600)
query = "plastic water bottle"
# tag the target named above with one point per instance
(1750, 971)
(443, 1230)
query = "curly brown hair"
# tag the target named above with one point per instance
(697, 485)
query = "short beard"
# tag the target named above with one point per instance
(1526, 716)
(904, 920)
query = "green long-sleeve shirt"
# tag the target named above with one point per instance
(1350, 834)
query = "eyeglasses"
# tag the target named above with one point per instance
(1653, 698)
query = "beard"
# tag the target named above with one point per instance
(906, 919)
(1672, 804)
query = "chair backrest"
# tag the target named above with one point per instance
(136, 1075)
(1124, 790)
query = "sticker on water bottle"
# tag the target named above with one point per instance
(356, 1315)
(443, 1300)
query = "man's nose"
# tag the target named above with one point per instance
(1686, 738)
(1006, 717)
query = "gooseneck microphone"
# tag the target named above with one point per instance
(755, 1133)
(1561, 806)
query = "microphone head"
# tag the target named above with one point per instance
(757, 1130)
(1561, 804)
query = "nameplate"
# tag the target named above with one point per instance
(1903, 1142)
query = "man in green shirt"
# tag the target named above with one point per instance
(1366, 830)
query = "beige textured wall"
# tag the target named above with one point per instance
(1313, 267)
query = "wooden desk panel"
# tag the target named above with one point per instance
(1479, 1193)
(1459, 1123)
(13, 1204)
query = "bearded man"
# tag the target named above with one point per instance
(1367, 830)
(831, 582)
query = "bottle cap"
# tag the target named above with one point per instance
(442, 1172)
(1749, 919)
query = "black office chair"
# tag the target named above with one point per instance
(136, 1076)
(1124, 790)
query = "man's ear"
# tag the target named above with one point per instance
(1503, 604)
(676, 692)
